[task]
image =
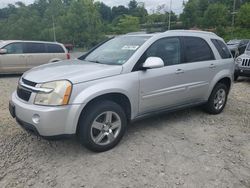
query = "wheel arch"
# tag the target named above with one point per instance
(117, 97)
(225, 79)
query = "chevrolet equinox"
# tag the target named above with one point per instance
(124, 79)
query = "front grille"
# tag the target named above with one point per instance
(23, 93)
(246, 63)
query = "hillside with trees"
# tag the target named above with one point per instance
(86, 22)
(228, 18)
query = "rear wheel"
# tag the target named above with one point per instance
(103, 126)
(218, 99)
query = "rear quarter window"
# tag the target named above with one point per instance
(196, 49)
(222, 49)
(54, 48)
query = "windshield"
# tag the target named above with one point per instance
(233, 42)
(117, 50)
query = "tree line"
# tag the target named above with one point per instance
(80, 22)
(84, 23)
(228, 18)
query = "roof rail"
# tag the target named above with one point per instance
(136, 33)
(193, 31)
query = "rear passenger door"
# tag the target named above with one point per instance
(36, 54)
(199, 67)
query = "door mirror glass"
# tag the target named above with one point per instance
(3, 51)
(153, 63)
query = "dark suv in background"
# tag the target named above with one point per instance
(237, 46)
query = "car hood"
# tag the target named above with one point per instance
(74, 70)
(243, 56)
(247, 53)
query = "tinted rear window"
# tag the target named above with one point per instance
(222, 49)
(196, 49)
(54, 48)
(34, 48)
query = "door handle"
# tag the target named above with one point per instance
(179, 71)
(212, 66)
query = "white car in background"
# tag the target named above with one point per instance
(20, 56)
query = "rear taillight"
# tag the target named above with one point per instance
(68, 56)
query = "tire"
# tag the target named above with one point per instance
(236, 77)
(103, 126)
(220, 94)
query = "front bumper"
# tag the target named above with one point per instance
(44, 120)
(240, 71)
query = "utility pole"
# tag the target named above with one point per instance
(54, 29)
(233, 18)
(169, 16)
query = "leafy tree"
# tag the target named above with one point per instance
(81, 24)
(119, 11)
(105, 11)
(243, 17)
(127, 24)
(190, 17)
(216, 15)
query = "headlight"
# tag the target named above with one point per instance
(238, 60)
(58, 96)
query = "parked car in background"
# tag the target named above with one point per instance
(20, 56)
(237, 46)
(124, 79)
(69, 47)
(242, 64)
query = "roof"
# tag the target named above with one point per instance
(173, 32)
(11, 41)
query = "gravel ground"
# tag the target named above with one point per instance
(188, 148)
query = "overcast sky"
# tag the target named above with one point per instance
(150, 4)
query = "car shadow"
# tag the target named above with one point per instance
(72, 146)
(10, 75)
(243, 79)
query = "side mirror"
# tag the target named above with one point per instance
(153, 63)
(3, 51)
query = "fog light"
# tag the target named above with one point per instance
(36, 118)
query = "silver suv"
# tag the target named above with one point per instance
(121, 80)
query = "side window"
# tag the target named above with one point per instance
(222, 49)
(14, 48)
(196, 49)
(168, 49)
(54, 48)
(31, 48)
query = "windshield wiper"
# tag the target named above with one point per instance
(93, 61)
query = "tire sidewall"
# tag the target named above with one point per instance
(90, 115)
(210, 106)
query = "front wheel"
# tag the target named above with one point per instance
(103, 126)
(218, 99)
